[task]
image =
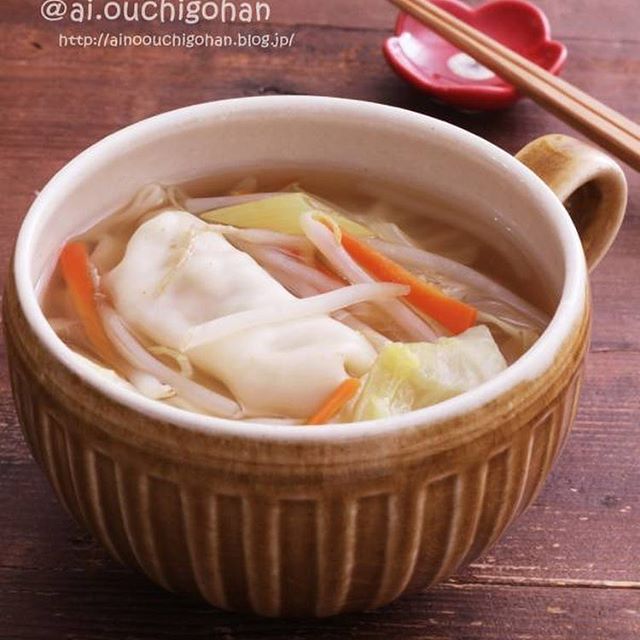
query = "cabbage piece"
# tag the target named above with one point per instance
(280, 213)
(406, 377)
(389, 388)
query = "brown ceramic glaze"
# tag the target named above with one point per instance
(589, 182)
(292, 527)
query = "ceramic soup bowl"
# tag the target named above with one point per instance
(319, 520)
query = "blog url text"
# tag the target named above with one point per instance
(108, 40)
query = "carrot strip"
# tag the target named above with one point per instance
(335, 402)
(76, 272)
(453, 314)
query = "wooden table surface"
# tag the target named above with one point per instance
(568, 569)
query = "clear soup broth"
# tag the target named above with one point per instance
(297, 298)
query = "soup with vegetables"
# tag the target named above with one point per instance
(294, 300)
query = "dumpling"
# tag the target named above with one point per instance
(178, 272)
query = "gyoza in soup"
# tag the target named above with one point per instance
(280, 305)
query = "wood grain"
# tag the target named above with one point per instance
(568, 569)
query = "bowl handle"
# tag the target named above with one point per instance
(589, 183)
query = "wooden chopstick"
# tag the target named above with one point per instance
(600, 123)
(565, 87)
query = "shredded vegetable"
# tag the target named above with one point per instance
(139, 357)
(263, 237)
(200, 206)
(336, 401)
(305, 281)
(424, 261)
(324, 240)
(148, 385)
(453, 314)
(186, 369)
(285, 308)
(325, 303)
(279, 213)
(293, 273)
(77, 273)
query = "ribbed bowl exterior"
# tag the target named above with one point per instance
(333, 530)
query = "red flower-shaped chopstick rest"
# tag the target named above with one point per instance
(437, 67)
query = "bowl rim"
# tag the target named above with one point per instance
(532, 364)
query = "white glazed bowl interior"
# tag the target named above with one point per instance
(490, 188)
